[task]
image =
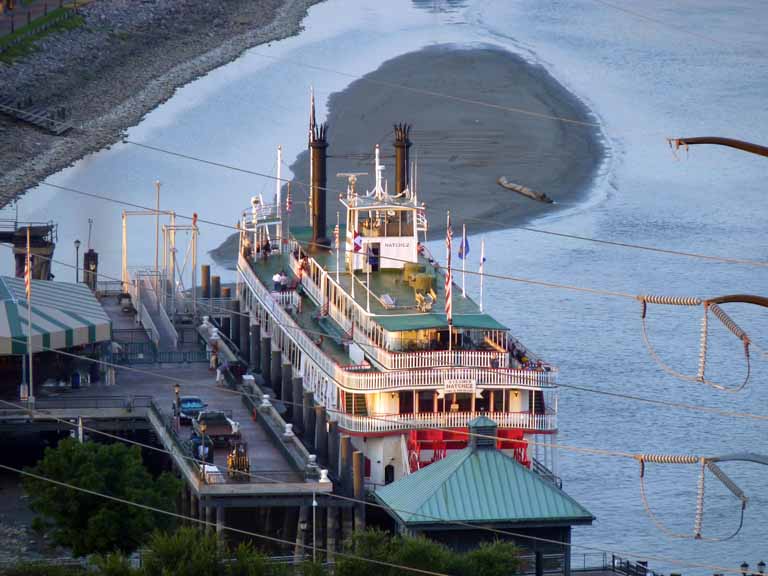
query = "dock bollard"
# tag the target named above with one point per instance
(265, 403)
(288, 431)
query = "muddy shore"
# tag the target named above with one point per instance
(463, 147)
(125, 60)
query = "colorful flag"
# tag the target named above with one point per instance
(28, 274)
(464, 246)
(448, 280)
(288, 200)
(336, 234)
(358, 242)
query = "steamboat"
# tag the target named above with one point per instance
(378, 331)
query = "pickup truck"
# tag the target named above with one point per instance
(219, 426)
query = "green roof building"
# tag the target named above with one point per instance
(457, 499)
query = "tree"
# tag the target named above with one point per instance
(187, 552)
(88, 523)
(490, 559)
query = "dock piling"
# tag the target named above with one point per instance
(255, 347)
(286, 381)
(276, 374)
(266, 350)
(309, 419)
(297, 414)
(321, 436)
(358, 468)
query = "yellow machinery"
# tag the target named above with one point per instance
(238, 466)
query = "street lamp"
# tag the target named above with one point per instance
(203, 447)
(761, 567)
(177, 408)
(744, 568)
(77, 261)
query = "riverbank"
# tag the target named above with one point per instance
(127, 58)
(463, 147)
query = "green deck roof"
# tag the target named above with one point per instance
(481, 485)
(405, 316)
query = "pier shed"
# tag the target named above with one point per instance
(455, 500)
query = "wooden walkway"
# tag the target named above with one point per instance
(38, 116)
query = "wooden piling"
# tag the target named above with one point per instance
(358, 471)
(266, 351)
(286, 394)
(275, 373)
(298, 397)
(321, 436)
(309, 419)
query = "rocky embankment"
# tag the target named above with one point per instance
(127, 58)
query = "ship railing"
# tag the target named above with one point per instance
(390, 423)
(287, 298)
(264, 212)
(436, 378)
(406, 360)
(394, 379)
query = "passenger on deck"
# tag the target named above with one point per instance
(283, 281)
(276, 281)
(266, 249)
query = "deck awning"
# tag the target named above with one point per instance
(63, 315)
(405, 322)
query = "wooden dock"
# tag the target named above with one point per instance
(39, 116)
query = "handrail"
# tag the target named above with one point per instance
(390, 380)
(523, 420)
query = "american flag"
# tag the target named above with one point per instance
(448, 280)
(288, 201)
(28, 271)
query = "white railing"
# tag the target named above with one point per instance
(434, 358)
(287, 298)
(142, 314)
(402, 360)
(389, 380)
(425, 420)
(435, 378)
(162, 316)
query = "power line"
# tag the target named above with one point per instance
(306, 185)
(214, 524)
(653, 401)
(383, 507)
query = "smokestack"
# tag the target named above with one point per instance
(402, 157)
(205, 272)
(318, 147)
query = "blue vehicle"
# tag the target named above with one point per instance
(190, 407)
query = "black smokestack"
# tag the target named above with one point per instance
(402, 157)
(318, 147)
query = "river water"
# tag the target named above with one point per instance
(646, 78)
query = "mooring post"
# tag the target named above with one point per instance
(358, 467)
(301, 534)
(209, 518)
(220, 532)
(333, 514)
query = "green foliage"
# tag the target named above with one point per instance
(88, 523)
(41, 569)
(113, 565)
(186, 552)
(32, 33)
(490, 559)
(247, 561)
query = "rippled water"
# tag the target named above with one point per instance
(646, 81)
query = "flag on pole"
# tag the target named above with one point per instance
(464, 246)
(288, 200)
(336, 234)
(482, 262)
(448, 280)
(358, 242)
(28, 271)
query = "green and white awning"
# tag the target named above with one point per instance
(63, 315)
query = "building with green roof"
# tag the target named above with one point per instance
(458, 498)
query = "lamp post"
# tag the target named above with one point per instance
(77, 261)
(177, 406)
(203, 448)
(761, 567)
(744, 568)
